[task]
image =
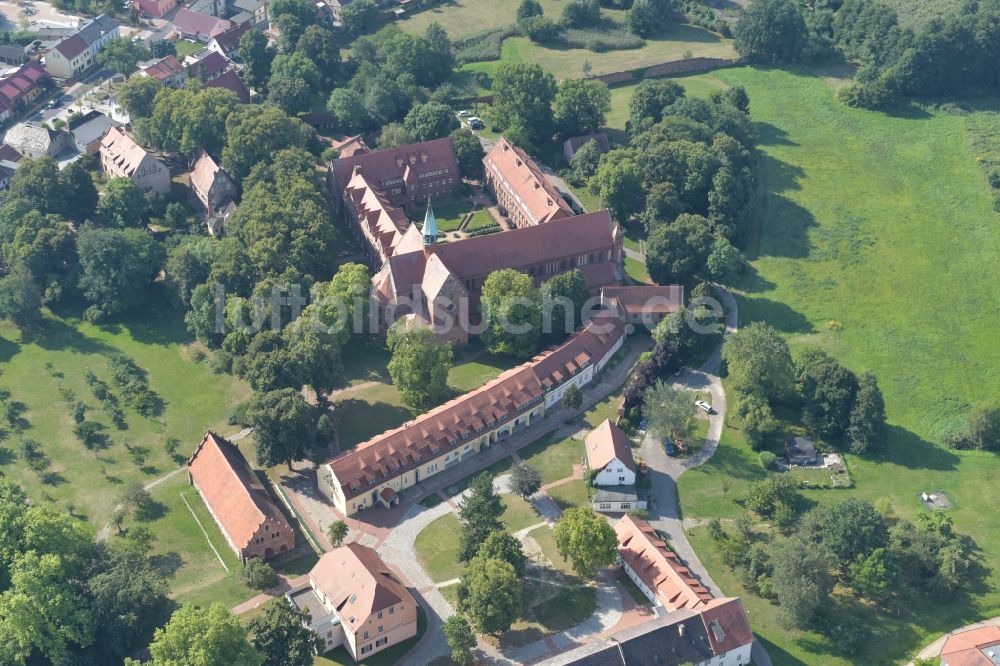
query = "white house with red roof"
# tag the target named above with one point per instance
(77, 52)
(609, 456)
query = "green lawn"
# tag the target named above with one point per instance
(465, 377)
(387, 657)
(519, 514)
(637, 271)
(44, 370)
(481, 218)
(365, 412)
(914, 13)
(461, 18)
(501, 466)
(547, 542)
(365, 358)
(632, 589)
(554, 459)
(868, 218)
(605, 409)
(448, 213)
(186, 48)
(567, 63)
(570, 494)
(196, 575)
(436, 546)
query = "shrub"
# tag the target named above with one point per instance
(767, 459)
(259, 575)
(602, 39)
(482, 46)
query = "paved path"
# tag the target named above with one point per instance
(283, 586)
(664, 470)
(934, 649)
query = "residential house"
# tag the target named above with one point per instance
(9, 157)
(354, 600)
(227, 42)
(122, 157)
(230, 80)
(522, 192)
(88, 130)
(206, 65)
(167, 70)
(349, 146)
(374, 472)
(801, 451)
(200, 27)
(718, 635)
(209, 7)
(14, 54)
(974, 647)
(211, 185)
(643, 306)
(34, 140)
(155, 8)
(22, 87)
(248, 517)
(76, 53)
(609, 459)
(573, 144)
(255, 9)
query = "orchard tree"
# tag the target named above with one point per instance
(525, 480)
(512, 305)
(419, 365)
(461, 640)
(587, 540)
(480, 516)
(468, 152)
(285, 426)
(197, 636)
(490, 595)
(431, 120)
(670, 411)
(771, 31)
(580, 105)
(758, 362)
(501, 545)
(282, 635)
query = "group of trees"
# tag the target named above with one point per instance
(883, 558)
(844, 410)
(947, 56)
(582, 24)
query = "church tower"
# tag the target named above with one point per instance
(429, 230)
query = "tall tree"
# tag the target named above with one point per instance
(563, 298)
(36, 182)
(648, 17)
(139, 92)
(866, 430)
(282, 634)
(121, 54)
(801, 580)
(359, 17)
(78, 188)
(501, 545)
(257, 57)
(579, 106)
(469, 153)
(316, 43)
(618, 183)
(586, 540)
(460, 638)
(285, 426)
(116, 267)
(758, 361)
(671, 412)
(829, 391)
(677, 252)
(419, 364)
(431, 120)
(255, 133)
(770, 31)
(490, 595)
(197, 636)
(649, 101)
(480, 515)
(523, 95)
(294, 83)
(20, 297)
(512, 306)
(525, 480)
(123, 204)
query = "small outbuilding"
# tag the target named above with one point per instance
(801, 451)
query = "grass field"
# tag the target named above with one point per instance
(519, 513)
(868, 219)
(461, 18)
(566, 63)
(436, 546)
(554, 459)
(44, 369)
(481, 218)
(448, 213)
(570, 494)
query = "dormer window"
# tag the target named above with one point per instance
(399, 162)
(423, 157)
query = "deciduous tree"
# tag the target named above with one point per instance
(20, 297)
(285, 426)
(586, 540)
(670, 411)
(758, 362)
(337, 532)
(419, 365)
(469, 153)
(771, 31)
(480, 515)
(501, 545)
(198, 636)
(461, 640)
(579, 106)
(490, 595)
(431, 120)
(523, 94)
(512, 304)
(116, 267)
(525, 480)
(282, 635)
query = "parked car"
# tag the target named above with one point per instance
(464, 113)
(704, 406)
(669, 447)
(475, 123)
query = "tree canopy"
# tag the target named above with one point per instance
(586, 539)
(419, 365)
(512, 304)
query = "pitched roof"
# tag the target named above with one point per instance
(658, 566)
(191, 23)
(204, 172)
(972, 647)
(726, 622)
(29, 137)
(575, 143)
(231, 81)
(90, 127)
(76, 44)
(523, 247)
(665, 641)
(229, 39)
(350, 145)
(539, 199)
(608, 442)
(123, 151)
(445, 427)
(9, 153)
(232, 491)
(396, 163)
(206, 63)
(651, 300)
(357, 583)
(163, 69)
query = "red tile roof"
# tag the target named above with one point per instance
(608, 442)
(357, 583)
(164, 68)
(726, 623)
(401, 162)
(229, 40)
(232, 82)
(542, 202)
(652, 300)
(350, 146)
(71, 47)
(966, 648)
(195, 23)
(658, 567)
(232, 491)
(446, 427)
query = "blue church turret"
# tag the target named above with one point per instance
(430, 229)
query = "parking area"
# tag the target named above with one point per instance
(36, 13)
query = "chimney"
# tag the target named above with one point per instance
(357, 169)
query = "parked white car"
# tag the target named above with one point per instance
(704, 406)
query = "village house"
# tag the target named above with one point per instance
(167, 70)
(374, 472)
(76, 53)
(88, 130)
(645, 305)
(717, 635)
(354, 600)
(9, 157)
(33, 140)
(211, 185)
(22, 87)
(122, 157)
(522, 192)
(255, 9)
(249, 519)
(206, 65)
(14, 54)
(155, 8)
(197, 26)
(227, 42)
(801, 451)
(575, 143)
(348, 146)
(610, 461)
(230, 80)
(974, 647)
